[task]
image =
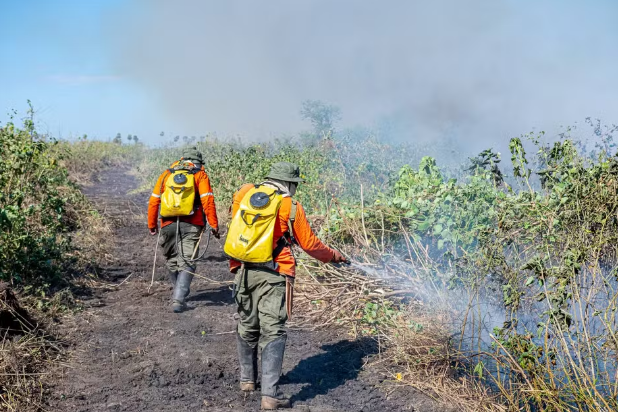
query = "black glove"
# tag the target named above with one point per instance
(215, 233)
(339, 258)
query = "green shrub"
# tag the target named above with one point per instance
(35, 207)
(541, 253)
(229, 165)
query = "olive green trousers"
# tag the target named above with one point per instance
(188, 236)
(260, 296)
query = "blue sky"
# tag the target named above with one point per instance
(56, 54)
(487, 69)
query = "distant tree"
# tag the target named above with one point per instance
(202, 138)
(129, 137)
(135, 139)
(176, 139)
(185, 139)
(117, 139)
(162, 134)
(193, 138)
(321, 115)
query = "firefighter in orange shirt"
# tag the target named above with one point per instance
(179, 236)
(264, 294)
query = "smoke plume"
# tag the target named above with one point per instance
(480, 70)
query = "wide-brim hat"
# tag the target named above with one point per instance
(191, 153)
(285, 171)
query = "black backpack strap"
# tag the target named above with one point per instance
(281, 244)
(292, 219)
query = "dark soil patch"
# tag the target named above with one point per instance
(131, 353)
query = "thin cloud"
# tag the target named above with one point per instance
(79, 79)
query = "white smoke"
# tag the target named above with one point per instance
(483, 70)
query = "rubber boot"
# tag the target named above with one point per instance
(272, 359)
(172, 276)
(247, 357)
(181, 290)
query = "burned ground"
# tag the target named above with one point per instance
(129, 352)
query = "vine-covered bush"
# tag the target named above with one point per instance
(35, 207)
(535, 249)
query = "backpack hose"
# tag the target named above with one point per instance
(180, 253)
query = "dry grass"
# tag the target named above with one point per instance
(85, 159)
(413, 335)
(26, 353)
(394, 301)
(94, 239)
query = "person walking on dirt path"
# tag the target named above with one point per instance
(179, 237)
(263, 293)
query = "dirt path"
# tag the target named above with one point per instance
(131, 353)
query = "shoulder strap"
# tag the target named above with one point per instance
(169, 172)
(293, 211)
(291, 220)
(287, 239)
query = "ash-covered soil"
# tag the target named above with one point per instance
(129, 352)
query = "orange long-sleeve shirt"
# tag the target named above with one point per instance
(207, 202)
(307, 240)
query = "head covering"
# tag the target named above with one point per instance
(285, 171)
(191, 153)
